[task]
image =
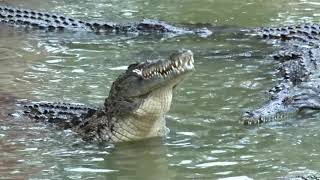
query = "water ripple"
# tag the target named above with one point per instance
(205, 142)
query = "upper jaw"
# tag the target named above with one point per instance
(178, 64)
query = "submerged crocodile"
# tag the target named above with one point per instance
(134, 109)
(298, 72)
(52, 22)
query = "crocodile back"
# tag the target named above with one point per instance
(51, 22)
(61, 114)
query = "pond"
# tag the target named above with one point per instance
(206, 140)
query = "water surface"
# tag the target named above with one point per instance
(206, 141)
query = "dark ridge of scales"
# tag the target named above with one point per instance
(64, 115)
(39, 20)
(305, 33)
(296, 62)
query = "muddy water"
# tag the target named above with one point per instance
(206, 141)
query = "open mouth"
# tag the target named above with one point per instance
(177, 65)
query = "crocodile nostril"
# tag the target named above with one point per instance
(248, 113)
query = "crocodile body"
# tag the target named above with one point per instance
(298, 72)
(52, 22)
(134, 109)
(302, 175)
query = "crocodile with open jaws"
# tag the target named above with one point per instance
(52, 22)
(134, 109)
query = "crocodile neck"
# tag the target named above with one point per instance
(120, 129)
(113, 125)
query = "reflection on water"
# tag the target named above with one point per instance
(206, 142)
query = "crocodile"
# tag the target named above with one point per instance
(298, 73)
(52, 22)
(134, 110)
(302, 175)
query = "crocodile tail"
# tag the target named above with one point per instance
(61, 114)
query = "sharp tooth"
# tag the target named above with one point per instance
(189, 62)
(177, 63)
(180, 60)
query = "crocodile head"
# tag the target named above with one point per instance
(144, 91)
(272, 110)
(287, 101)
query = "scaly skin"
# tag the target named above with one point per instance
(134, 109)
(64, 115)
(304, 32)
(298, 87)
(51, 22)
(302, 175)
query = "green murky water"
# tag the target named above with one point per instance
(206, 141)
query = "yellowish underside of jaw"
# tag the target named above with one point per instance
(148, 120)
(157, 102)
